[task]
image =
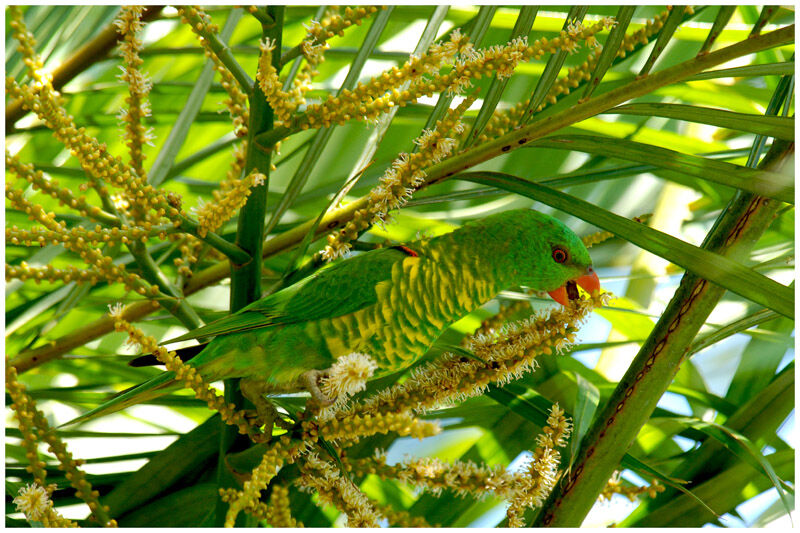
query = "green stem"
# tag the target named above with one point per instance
(223, 52)
(237, 255)
(268, 138)
(104, 217)
(262, 16)
(654, 368)
(246, 277)
(170, 299)
(291, 54)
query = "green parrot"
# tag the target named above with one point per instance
(390, 303)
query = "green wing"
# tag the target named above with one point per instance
(335, 290)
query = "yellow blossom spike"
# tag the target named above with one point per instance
(405, 175)
(615, 486)
(80, 236)
(532, 486)
(335, 24)
(503, 120)
(25, 407)
(50, 187)
(247, 499)
(27, 45)
(93, 156)
(280, 509)
(60, 235)
(435, 475)
(211, 216)
(468, 65)
(191, 246)
(23, 272)
(34, 502)
(491, 325)
(236, 102)
(368, 100)
(350, 427)
(281, 102)
(129, 24)
(332, 488)
(501, 358)
(347, 376)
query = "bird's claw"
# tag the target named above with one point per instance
(311, 381)
(264, 413)
(255, 417)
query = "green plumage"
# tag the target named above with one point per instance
(391, 303)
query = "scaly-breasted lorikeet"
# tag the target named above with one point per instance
(390, 303)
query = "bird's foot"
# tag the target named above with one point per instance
(311, 381)
(264, 413)
(256, 417)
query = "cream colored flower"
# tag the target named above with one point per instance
(115, 310)
(32, 500)
(348, 375)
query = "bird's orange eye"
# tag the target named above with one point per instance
(559, 255)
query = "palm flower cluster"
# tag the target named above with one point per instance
(504, 120)
(183, 372)
(527, 487)
(399, 182)
(34, 499)
(616, 486)
(333, 488)
(128, 210)
(495, 358)
(541, 473)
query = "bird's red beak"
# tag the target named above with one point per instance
(588, 282)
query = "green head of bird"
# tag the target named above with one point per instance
(539, 251)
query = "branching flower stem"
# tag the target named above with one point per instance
(101, 167)
(335, 26)
(233, 252)
(25, 407)
(170, 297)
(260, 14)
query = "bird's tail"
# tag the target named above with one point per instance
(148, 390)
(184, 354)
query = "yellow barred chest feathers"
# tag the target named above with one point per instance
(421, 299)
